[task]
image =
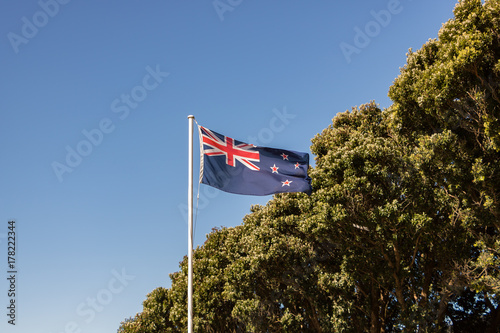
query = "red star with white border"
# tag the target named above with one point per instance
(285, 156)
(297, 165)
(286, 182)
(274, 168)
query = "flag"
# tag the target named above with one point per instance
(237, 167)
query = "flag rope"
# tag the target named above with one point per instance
(196, 211)
(199, 184)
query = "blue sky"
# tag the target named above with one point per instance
(94, 128)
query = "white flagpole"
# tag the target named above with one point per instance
(190, 227)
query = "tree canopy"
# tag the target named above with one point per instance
(401, 232)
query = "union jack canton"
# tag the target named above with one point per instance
(237, 167)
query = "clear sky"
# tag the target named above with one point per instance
(94, 129)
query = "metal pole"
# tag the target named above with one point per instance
(190, 227)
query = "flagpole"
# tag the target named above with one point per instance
(190, 227)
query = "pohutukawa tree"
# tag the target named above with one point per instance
(401, 232)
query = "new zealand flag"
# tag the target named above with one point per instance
(237, 167)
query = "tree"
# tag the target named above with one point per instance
(394, 228)
(154, 318)
(401, 232)
(452, 87)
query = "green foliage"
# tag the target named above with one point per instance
(154, 318)
(401, 232)
(451, 87)
(453, 82)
